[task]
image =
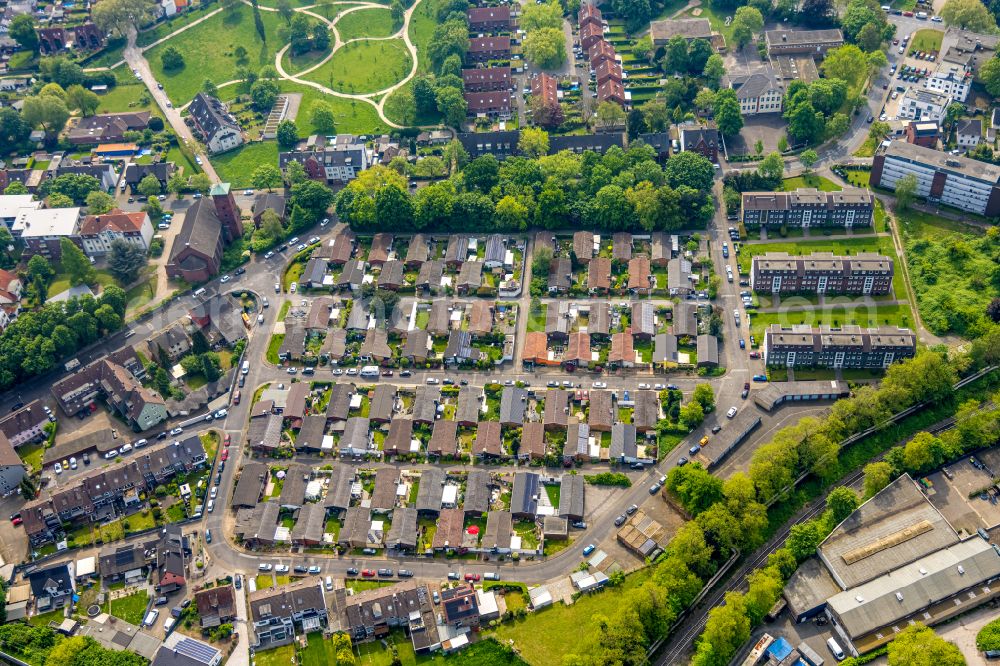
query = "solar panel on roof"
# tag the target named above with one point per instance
(196, 650)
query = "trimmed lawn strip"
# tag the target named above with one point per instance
(839, 246)
(812, 180)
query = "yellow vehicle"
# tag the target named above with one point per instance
(704, 440)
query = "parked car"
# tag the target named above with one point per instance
(731, 413)
(472, 577)
(264, 567)
(177, 431)
(589, 549)
(620, 520)
(760, 378)
(352, 571)
(281, 568)
(367, 573)
(453, 575)
(385, 572)
(314, 569)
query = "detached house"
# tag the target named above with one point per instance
(98, 232)
(278, 614)
(219, 129)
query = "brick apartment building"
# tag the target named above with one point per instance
(846, 347)
(807, 207)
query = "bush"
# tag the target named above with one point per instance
(988, 637)
(608, 479)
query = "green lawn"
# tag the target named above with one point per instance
(31, 455)
(366, 23)
(351, 115)
(141, 294)
(839, 246)
(917, 224)
(926, 40)
(130, 608)
(264, 581)
(279, 656)
(164, 28)
(237, 166)
(138, 522)
(128, 96)
(840, 315)
(541, 636)
(812, 180)
(318, 652)
(224, 32)
(43, 619)
(363, 67)
(295, 64)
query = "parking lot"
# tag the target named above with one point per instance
(912, 71)
(950, 492)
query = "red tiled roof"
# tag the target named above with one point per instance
(117, 220)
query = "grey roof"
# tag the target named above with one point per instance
(571, 490)
(357, 522)
(601, 414)
(383, 399)
(647, 409)
(200, 230)
(258, 523)
(338, 494)
(416, 344)
(941, 161)
(577, 440)
(439, 322)
(392, 274)
(777, 392)
(340, 402)
(403, 531)
(754, 85)
(905, 591)
(309, 524)
(599, 322)
(425, 403)
(561, 273)
(678, 271)
(355, 439)
(524, 494)
(458, 249)
(430, 273)
(477, 491)
(357, 320)
(444, 438)
(470, 276)
(496, 250)
(809, 587)
(469, 404)
(556, 403)
(623, 441)
(293, 491)
(685, 321)
(311, 433)
(384, 496)
(499, 530)
(417, 251)
(460, 349)
(211, 115)
(399, 438)
(898, 525)
(643, 318)
(431, 489)
(664, 348)
(708, 349)
(513, 402)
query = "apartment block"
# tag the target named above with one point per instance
(964, 183)
(846, 347)
(807, 207)
(822, 273)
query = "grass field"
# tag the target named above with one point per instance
(164, 28)
(126, 97)
(296, 64)
(264, 581)
(926, 40)
(130, 608)
(840, 315)
(237, 166)
(318, 652)
(917, 224)
(224, 31)
(366, 23)
(363, 67)
(542, 635)
(279, 656)
(812, 180)
(839, 246)
(351, 115)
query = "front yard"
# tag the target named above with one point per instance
(130, 608)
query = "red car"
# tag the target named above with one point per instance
(367, 573)
(236, 398)
(471, 577)
(754, 354)
(17, 521)
(225, 440)
(225, 455)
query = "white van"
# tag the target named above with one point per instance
(199, 292)
(835, 648)
(329, 583)
(369, 371)
(150, 618)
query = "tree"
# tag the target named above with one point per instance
(546, 47)
(968, 15)
(609, 115)
(75, 263)
(73, 185)
(990, 74)
(397, 12)
(269, 233)
(848, 63)
(692, 414)
(99, 202)
(40, 274)
(918, 645)
(22, 31)
(117, 16)
(266, 176)
(689, 169)
(993, 310)
(546, 15)
(78, 97)
(424, 95)
(288, 132)
(694, 488)
(704, 394)
(533, 142)
(295, 173)
(172, 59)
(747, 21)
(61, 70)
(126, 260)
(906, 191)
(764, 588)
(209, 88)
(149, 186)
(263, 93)
(715, 68)
(808, 158)
(727, 628)
(804, 538)
(45, 111)
(58, 200)
(451, 103)
(320, 37)
(805, 123)
(841, 502)
(547, 115)
(14, 131)
(869, 38)
(322, 117)
(285, 11)
(727, 110)
(675, 56)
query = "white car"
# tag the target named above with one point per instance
(139, 442)
(248, 192)
(221, 413)
(225, 279)
(277, 287)
(176, 431)
(600, 385)
(292, 287)
(126, 448)
(281, 568)
(352, 371)
(300, 247)
(260, 319)
(264, 567)
(731, 413)
(215, 491)
(433, 380)
(643, 386)
(58, 468)
(269, 254)
(314, 239)
(111, 455)
(72, 463)
(162, 225)
(338, 371)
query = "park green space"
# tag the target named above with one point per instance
(373, 22)
(164, 28)
(926, 40)
(810, 180)
(295, 64)
(351, 115)
(422, 23)
(329, 10)
(363, 67)
(237, 166)
(841, 246)
(860, 314)
(224, 31)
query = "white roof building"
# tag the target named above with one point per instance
(12, 204)
(46, 222)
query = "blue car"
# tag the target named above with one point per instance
(760, 378)
(743, 344)
(589, 549)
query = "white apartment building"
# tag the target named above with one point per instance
(758, 93)
(923, 105)
(950, 78)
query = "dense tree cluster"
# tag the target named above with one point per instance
(43, 645)
(619, 190)
(39, 339)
